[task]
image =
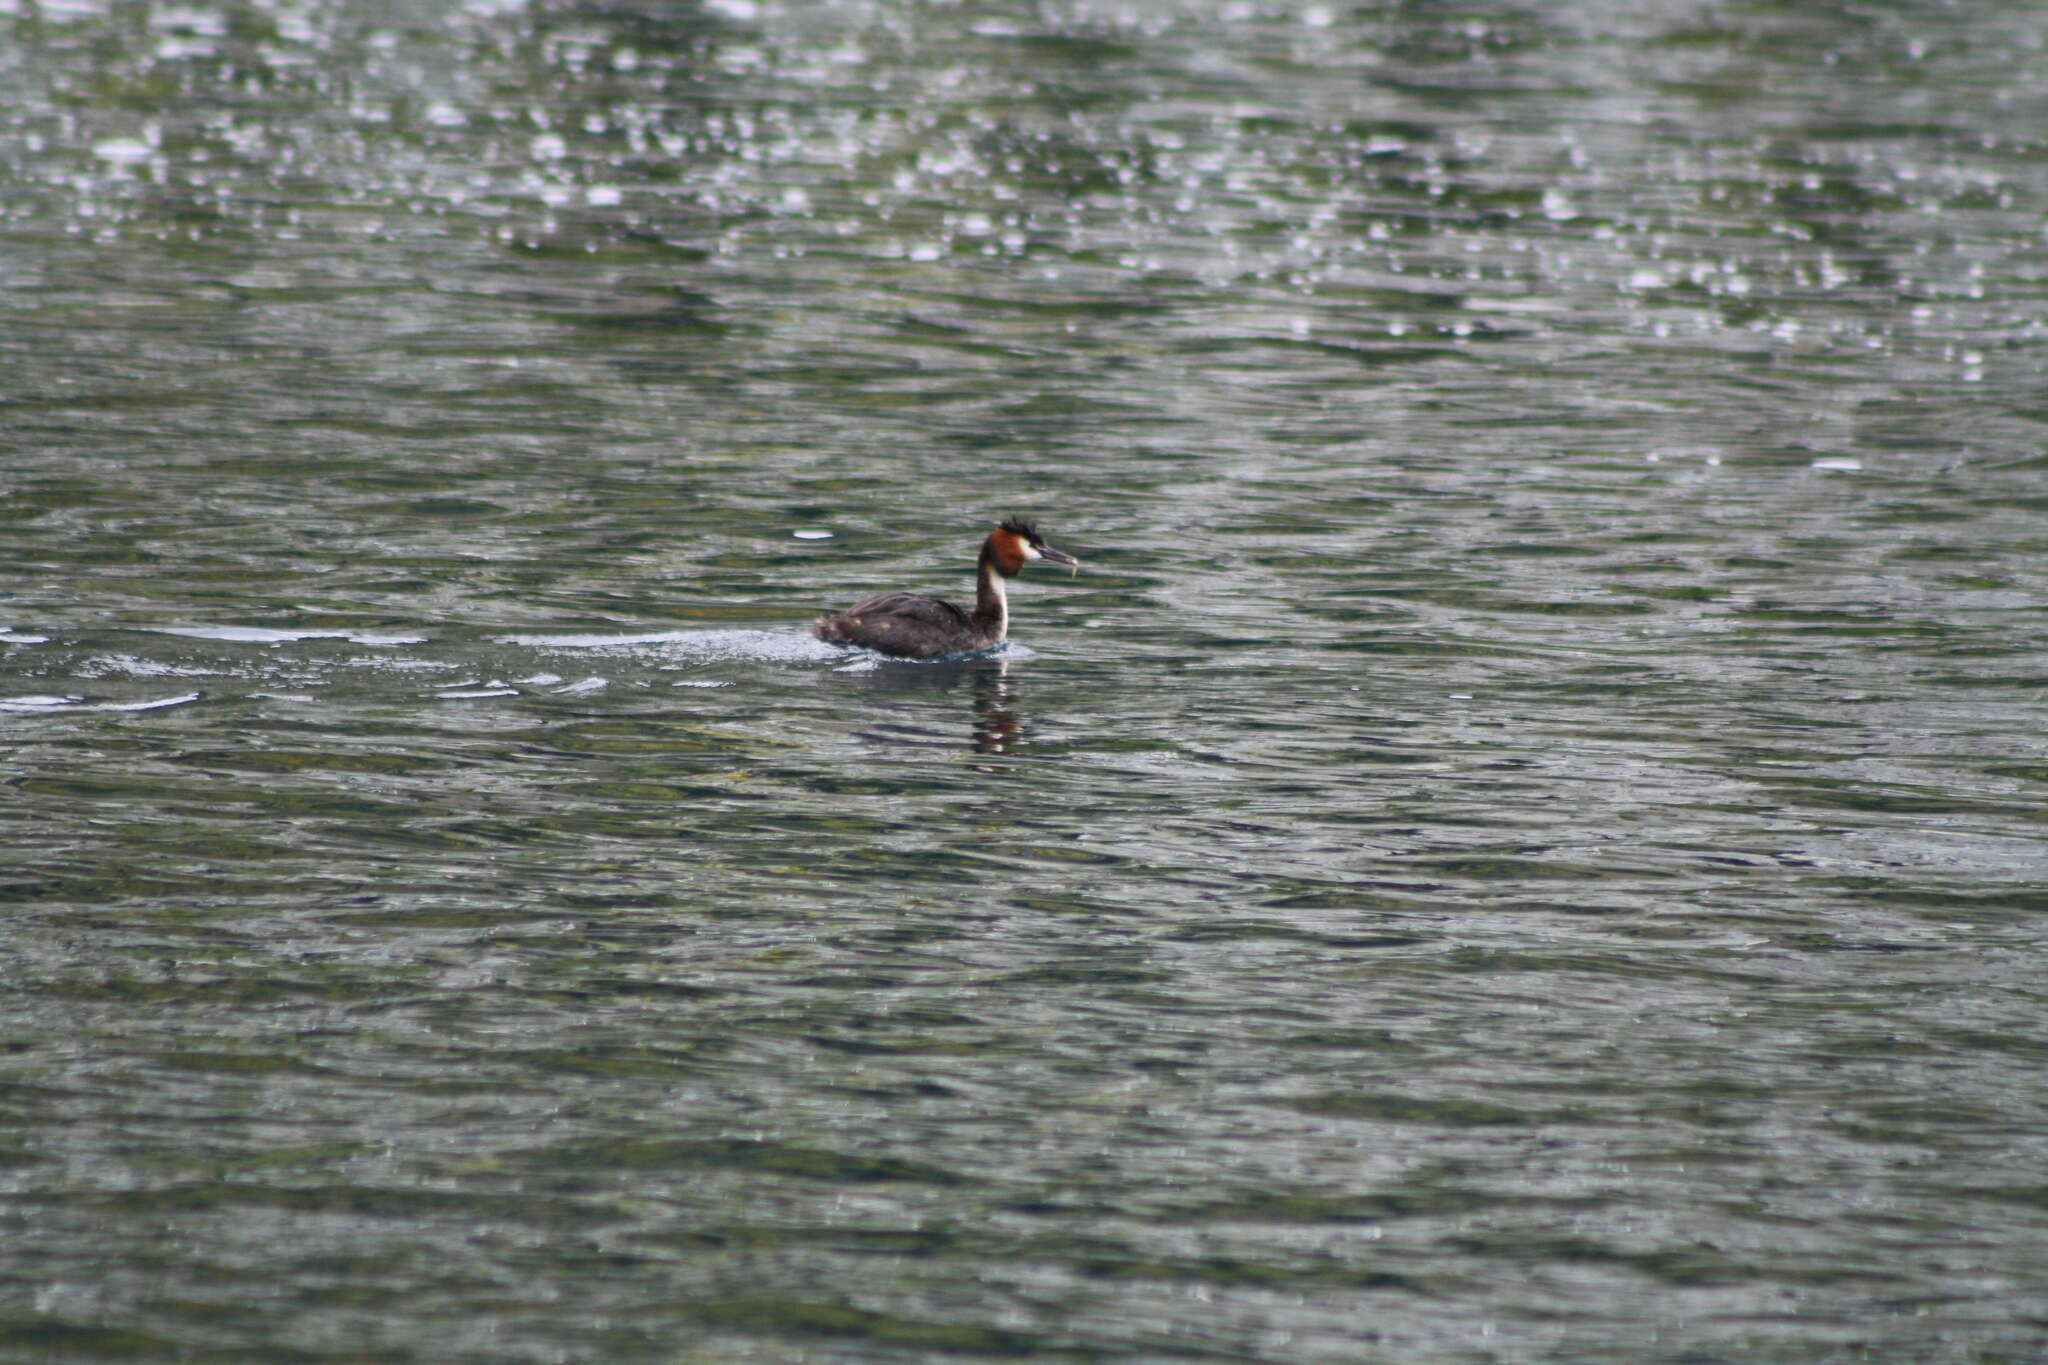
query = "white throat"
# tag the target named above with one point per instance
(1002, 596)
(999, 595)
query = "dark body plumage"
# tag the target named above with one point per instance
(910, 625)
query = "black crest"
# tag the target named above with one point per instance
(1017, 526)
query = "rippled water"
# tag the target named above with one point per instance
(1524, 842)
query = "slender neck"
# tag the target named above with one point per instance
(991, 603)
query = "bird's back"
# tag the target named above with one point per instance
(906, 624)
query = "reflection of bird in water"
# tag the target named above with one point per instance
(912, 626)
(997, 728)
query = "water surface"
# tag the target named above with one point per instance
(1525, 841)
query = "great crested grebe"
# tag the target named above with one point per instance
(910, 625)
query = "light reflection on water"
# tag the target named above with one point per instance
(1524, 841)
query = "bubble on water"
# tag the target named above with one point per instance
(123, 151)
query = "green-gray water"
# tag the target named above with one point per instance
(1525, 842)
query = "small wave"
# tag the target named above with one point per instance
(862, 660)
(130, 666)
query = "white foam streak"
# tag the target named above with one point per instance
(69, 704)
(695, 646)
(263, 635)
